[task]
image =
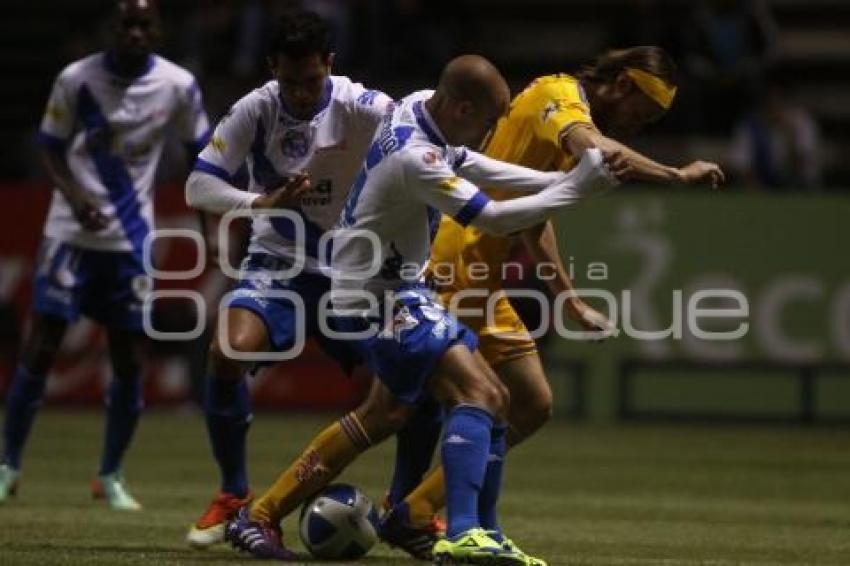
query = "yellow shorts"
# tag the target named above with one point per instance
(502, 336)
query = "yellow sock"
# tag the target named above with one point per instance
(428, 497)
(324, 458)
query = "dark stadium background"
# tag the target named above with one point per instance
(779, 228)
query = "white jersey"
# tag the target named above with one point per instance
(112, 130)
(330, 147)
(408, 179)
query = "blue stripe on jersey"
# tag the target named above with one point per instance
(471, 209)
(312, 232)
(388, 142)
(262, 170)
(422, 120)
(51, 142)
(205, 166)
(112, 170)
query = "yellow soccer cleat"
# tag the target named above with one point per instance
(509, 545)
(475, 546)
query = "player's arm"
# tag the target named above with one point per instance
(210, 185)
(85, 207)
(433, 182)
(542, 245)
(629, 164)
(487, 172)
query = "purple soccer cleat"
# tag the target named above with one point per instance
(260, 540)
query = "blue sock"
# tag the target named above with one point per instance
(227, 405)
(415, 445)
(22, 402)
(466, 444)
(124, 402)
(489, 495)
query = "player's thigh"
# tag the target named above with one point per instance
(381, 413)
(243, 331)
(531, 395)
(463, 377)
(43, 342)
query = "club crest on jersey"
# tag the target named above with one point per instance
(294, 144)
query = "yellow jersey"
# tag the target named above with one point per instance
(530, 135)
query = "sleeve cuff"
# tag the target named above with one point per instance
(49, 141)
(211, 169)
(471, 209)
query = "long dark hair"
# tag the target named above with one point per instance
(649, 58)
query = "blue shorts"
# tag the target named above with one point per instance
(279, 313)
(405, 355)
(109, 287)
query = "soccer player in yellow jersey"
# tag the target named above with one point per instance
(553, 120)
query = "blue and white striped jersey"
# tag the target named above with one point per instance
(408, 180)
(112, 131)
(261, 133)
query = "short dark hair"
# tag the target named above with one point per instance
(649, 58)
(300, 33)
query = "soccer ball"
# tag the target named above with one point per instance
(340, 523)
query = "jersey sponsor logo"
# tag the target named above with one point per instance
(551, 108)
(319, 195)
(56, 112)
(218, 143)
(294, 144)
(450, 184)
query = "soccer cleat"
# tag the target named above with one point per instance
(8, 482)
(475, 546)
(510, 546)
(396, 530)
(209, 529)
(260, 540)
(111, 487)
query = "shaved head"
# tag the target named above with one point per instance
(470, 98)
(473, 78)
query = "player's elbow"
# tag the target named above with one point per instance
(194, 189)
(494, 225)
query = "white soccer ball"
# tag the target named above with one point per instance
(340, 523)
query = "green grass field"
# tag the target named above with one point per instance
(574, 494)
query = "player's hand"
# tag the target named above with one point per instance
(618, 164)
(702, 172)
(87, 212)
(287, 196)
(591, 319)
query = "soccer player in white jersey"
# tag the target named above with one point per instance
(102, 136)
(304, 136)
(412, 173)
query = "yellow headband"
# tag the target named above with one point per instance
(653, 87)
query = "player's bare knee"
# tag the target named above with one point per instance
(220, 365)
